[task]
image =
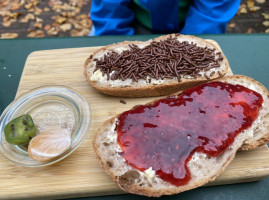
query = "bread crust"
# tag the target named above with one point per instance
(248, 144)
(153, 90)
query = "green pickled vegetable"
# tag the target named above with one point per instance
(21, 130)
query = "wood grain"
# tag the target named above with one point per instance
(80, 174)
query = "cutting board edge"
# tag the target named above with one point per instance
(86, 193)
(62, 49)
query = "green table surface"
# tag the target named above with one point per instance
(247, 55)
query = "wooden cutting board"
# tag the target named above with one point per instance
(80, 174)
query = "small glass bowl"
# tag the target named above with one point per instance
(51, 107)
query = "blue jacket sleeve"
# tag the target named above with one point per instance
(209, 16)
(111, 17)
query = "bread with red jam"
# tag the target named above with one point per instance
(155, 67)
(142, 155)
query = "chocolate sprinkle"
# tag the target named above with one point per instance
(163, 59)
(122, 101)
(212, 73)
(207, 77)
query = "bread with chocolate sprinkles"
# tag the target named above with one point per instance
(156, 67)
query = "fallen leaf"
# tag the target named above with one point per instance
(38, 11)
(77, 10)
(232, 25)
(36, 2)
(9, 35)
(260, 1)
(83, 32)
(254, 8)
(250, 3)
(74, 3)
(6, 19)
(57, 8)
(46, 9)
(38, 25)
(71, 14)
(64, 14)
(15, 15)
(53, 17)
(66, 27)
(267, 30)
(28, 17)
(242, 9)
(265, 15)
(266, 23)
(77, 25)
(15, 6)
(52, 31)
(47, 27)
(31, 10)
(36, 34)
(39, 19)
(54, 24)
(4, 13)
(28, 6)
(29, 30)
(83, 16)
(51, 3)
(8, 23)
(84, 22)
(22, 2)
(250, 30)
(60, 19)
(74, 33)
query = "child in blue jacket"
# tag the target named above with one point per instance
(115, 17)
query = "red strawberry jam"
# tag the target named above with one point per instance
(165, 134)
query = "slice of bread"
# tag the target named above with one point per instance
(203, 168)
(150, 86)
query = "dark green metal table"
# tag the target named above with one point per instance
(247, 55)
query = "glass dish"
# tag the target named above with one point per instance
(51, 107)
